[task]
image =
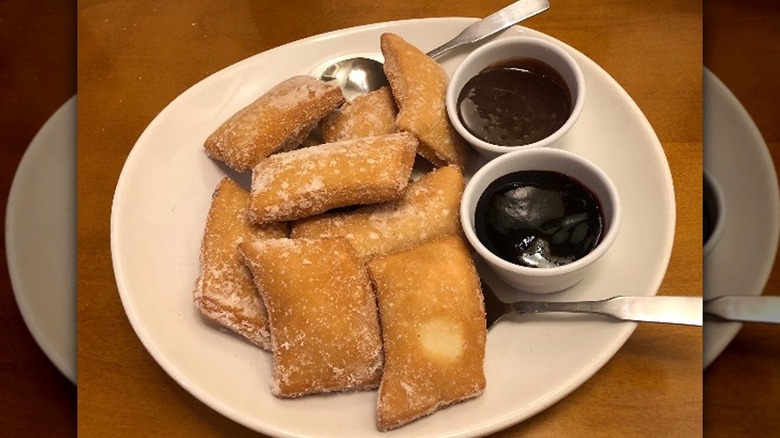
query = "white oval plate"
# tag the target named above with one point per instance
(40, 238)
(736, 156)
(162, 199)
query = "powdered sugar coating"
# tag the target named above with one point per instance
(323, 317)
(308, 181)
(433, 329)
(419, 85)
(367, 115)
(224, 291)
(278, 120)
(429, 208)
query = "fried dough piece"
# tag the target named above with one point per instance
(419, 85)
(433, 328)
(305, 182)
(322, 313)
(278, 120)
(367, 115)
(224, 292)
(429, 208)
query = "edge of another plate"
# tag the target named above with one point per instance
(726, 276)
(41, 195)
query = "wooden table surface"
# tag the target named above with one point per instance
(135, 57)
(37, 76)
(742, 386)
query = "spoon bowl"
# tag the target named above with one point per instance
(356, 76)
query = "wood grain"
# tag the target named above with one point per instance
(135, 57)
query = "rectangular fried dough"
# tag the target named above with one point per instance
(322, 312)
(278, 120)
(304, 182)
(224, 292)
(368, 115)
(433, 329)
(419, 85)
(429, 208)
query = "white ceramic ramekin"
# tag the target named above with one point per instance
(543, 280)
(508, 48)
(715, 209)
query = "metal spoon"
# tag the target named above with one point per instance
(664, 309)
(360, 75)
(765, 309)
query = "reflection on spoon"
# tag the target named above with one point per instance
(360, 75)
(356, 76)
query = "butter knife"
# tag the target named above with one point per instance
(745, 308)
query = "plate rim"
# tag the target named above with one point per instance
(510, 418)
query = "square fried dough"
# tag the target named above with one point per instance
(278, 120)
(419, 85)
(224, 292)
(304, 182)
(429, 208)
(322, 312)
(433, 328)
(368, 115)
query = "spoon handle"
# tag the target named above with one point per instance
(764, 309)
(496, 22)
(661, 309)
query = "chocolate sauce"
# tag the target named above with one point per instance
(515, 102)
(538, 218)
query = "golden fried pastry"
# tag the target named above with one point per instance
(225, 292)
(322, 313)
(419, 85)
(433, 328)
(429, 208)
(367, 115)
(279, 120)
(305, 182)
